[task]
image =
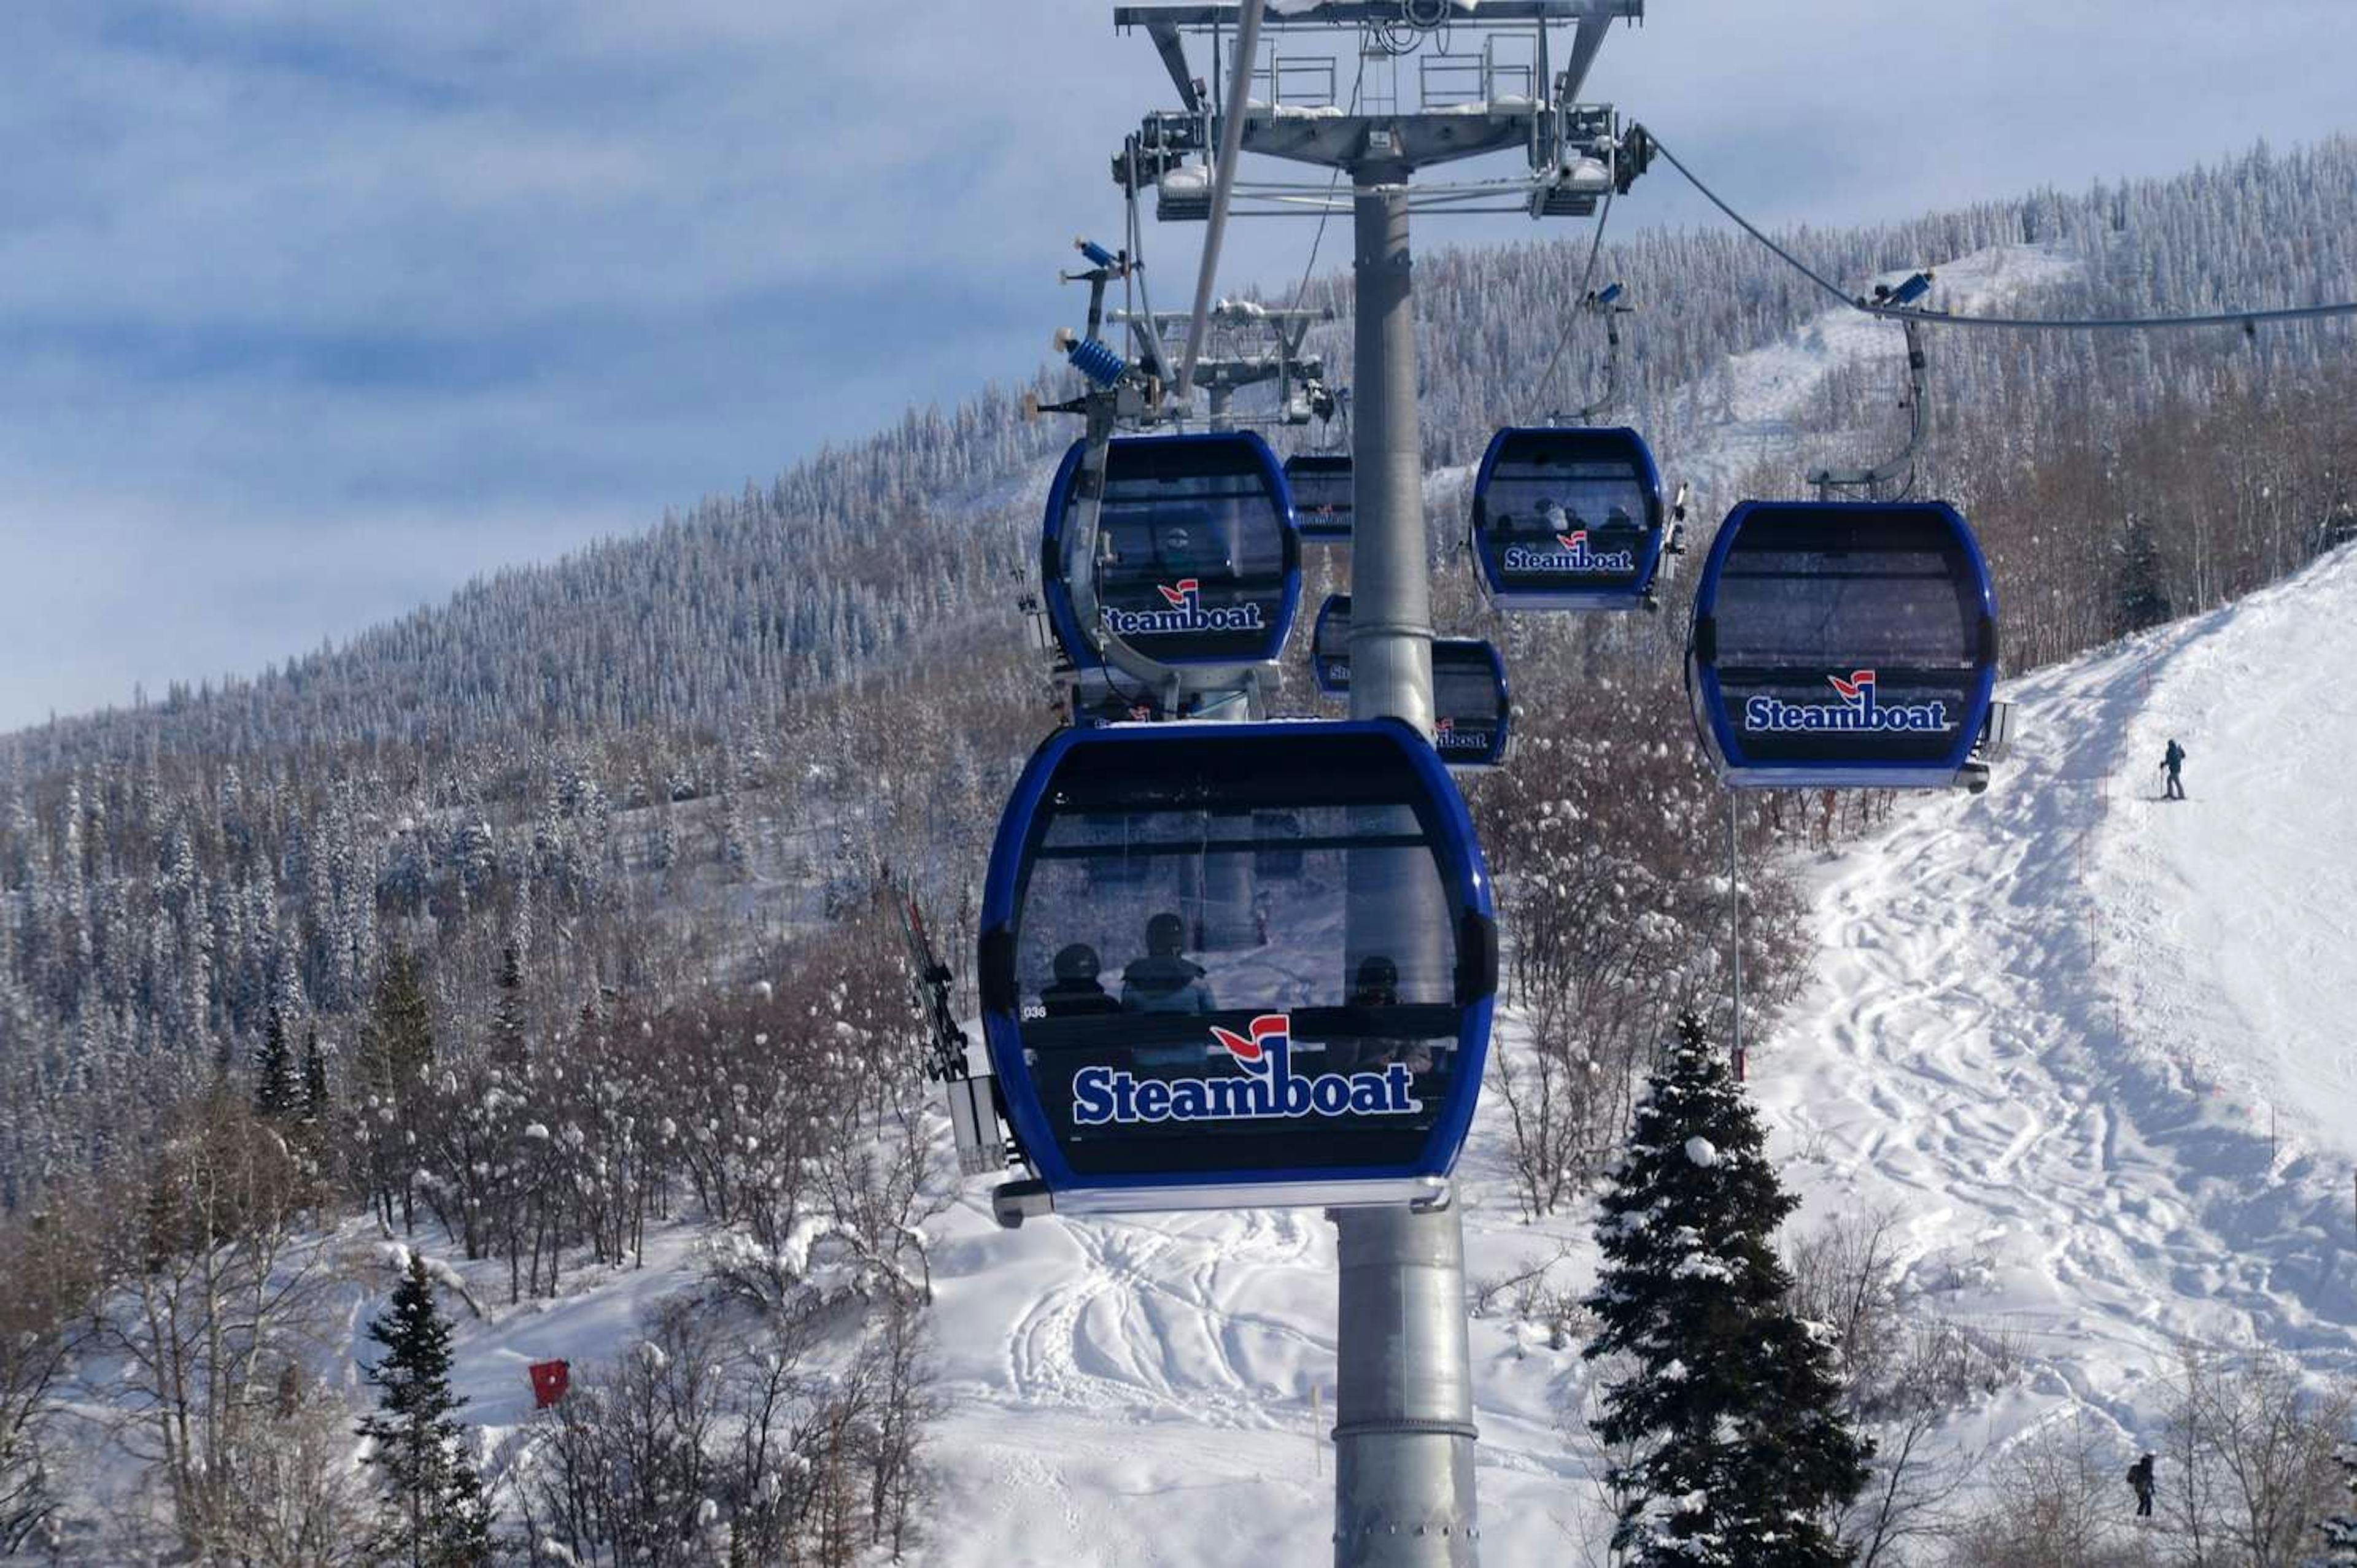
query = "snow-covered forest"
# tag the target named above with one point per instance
(541, 916)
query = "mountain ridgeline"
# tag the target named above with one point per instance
(650, 765)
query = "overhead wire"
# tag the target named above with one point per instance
(2242, 318)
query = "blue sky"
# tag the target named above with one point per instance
(308, 313)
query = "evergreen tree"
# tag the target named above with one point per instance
(1735, 1446)
(314, 1079)
(398, 1036)
(434, 1515)
(275, 1090)
(2140, 584)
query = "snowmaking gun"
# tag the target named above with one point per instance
(973, 1096)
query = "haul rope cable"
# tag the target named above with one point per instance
(2246, 319)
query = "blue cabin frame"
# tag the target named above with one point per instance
(1772, 749)
(1621, 449)
(1277, 778)
(1247, 455)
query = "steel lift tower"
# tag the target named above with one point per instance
(1381, 90)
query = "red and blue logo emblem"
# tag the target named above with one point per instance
(1249, 1047)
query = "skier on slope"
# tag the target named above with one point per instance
(2171, 761)
(2140, 1478)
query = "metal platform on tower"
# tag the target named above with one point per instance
(1410, 83)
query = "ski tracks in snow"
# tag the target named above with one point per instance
(1152, 1319)
(1991, 1049)
(1135, 1320)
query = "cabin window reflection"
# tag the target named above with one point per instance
(1198, 912)
(1918, 607)
(1534, 501)
(1217, 528)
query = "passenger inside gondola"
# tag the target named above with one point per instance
(1076, 991)
(1190, 553)
(1162, 981)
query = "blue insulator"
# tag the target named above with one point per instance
(1910, 290)
(1097, 254)
(1608, 294)
(1097, 363)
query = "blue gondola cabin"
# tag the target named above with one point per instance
(1568, 519)
(1845, 645)
(1196, 560)
(1290, 1004)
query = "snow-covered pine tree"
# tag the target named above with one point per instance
(397, 1037)
(433, 1514)
(2139, 578)
(1736, 1447)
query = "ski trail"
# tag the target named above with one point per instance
(1995, 1043)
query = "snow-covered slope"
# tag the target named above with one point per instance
(2050, 1024)
(2046, 1030)
(1753, 407)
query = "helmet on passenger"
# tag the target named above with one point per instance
(1165, 934)
(1076, 963)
